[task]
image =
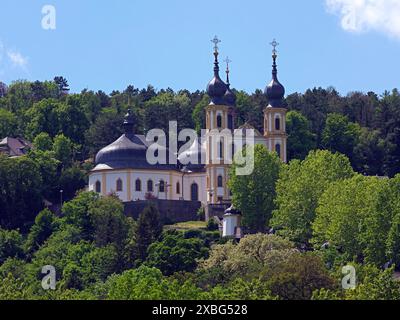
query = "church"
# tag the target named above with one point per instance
(122, 167)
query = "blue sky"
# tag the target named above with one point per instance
(105, 45)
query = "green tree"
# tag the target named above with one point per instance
(43, 142)
(21, 192)
(11, 243)
(71, 181)
(300, 138)
(298, 277)
(149, 229)
(147, 283)
(110, 224)
(8, 124)
(63, 150)
(300, 185)
(340, 135)
(44, 226)
(348, 217)
(173, 253)
(254, 194)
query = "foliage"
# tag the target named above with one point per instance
(148, 230)
(300, 138)
(175, 253)
(10, 245)
(300, 185)
(254, 194)
(21, 188)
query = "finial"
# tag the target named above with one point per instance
(216, 41)
(227, 61)
(216, 63)
(128, 122)
(274, 44)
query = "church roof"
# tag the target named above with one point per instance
(128, 152)
(248, 126)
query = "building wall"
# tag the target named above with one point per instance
(109, 178)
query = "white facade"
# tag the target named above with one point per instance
(137, 184)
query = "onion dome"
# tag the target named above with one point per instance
(129, 122)
(192, 158)
(275, 91)
(232, 211)
(229, 97)
(127, 149)
(216, 88)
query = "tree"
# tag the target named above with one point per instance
(254, 194)
(62, 84)
(369, 153)
(44, 226)
(110, 225)
(3, 89)
(71, 181)
(298, 277)
(8, 124)
(63, 150)
(246, 260)
(149, 229)
(48, 169)
(173, 253)
(42, 118)
(105, 130)
(147, 283)
(300, 185)
(21, 192)
(340, 135)
(372, 284)
(10, 245)
(43, 142)
(348, 218)
(76, 213)
(300, 138)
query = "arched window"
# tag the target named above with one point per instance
(161, 188)
(220, 182)
(150, 186)
(178, 188)
(138, 185)
(221, 149)
(119, 185)
(219, 121)
(277, 124)
(230, 122)
(194, 192)
(98, 186)
(278, 149)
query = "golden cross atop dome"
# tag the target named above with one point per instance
(215, 41)
(274, 44)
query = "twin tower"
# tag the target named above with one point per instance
(220, 115)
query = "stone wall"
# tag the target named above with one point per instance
(171, 211)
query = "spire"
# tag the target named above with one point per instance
(274, 44)
(216, 53)
(227, 61)
(275, 90)
(229, 97)
(128, 122)
(216, 87)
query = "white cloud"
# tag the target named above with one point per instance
(366, 15)
(17, 59)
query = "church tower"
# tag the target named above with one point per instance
(275, 113)
(219, 118)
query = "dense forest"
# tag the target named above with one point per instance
(335, 203)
